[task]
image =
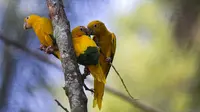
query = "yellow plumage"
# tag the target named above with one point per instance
(43, 29)
(81, 43)
(107, 43)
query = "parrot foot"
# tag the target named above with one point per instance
(88, 89)
(108, 59)
(42, 47)
(51, 49)
(86, 72)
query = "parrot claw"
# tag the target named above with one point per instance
(108, 59)
(88, 89)
(50, 49)
(42, 47)
(86, 71)
(85, 74)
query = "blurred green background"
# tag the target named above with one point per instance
(157, 55)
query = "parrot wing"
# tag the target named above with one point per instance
(47, 29)
(86, 50)
(113, 47)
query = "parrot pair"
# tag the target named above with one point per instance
(86, 50)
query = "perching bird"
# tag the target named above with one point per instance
(106, 41)
(44, 30)
(88, 54)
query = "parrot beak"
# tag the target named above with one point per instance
(24, 26)
(86, 31)
(89, 32)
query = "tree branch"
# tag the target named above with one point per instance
(59, 104)
(73, 80)
(134, 102)
(187, 17)
(25, 49)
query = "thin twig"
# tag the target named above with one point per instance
(84, 75)
(59, 104)
(120, 78)
(122, 81)
(134, 102)
(87, 88)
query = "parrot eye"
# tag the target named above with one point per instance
(27, 17)
(81, 29)
(95, 25)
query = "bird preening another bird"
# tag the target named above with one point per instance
(88, 54)
(95, 54)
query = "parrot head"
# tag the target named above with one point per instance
(79, 31)
(29, 20)
(96, 27)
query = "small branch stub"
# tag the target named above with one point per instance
(59, 104)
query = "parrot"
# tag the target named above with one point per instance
(43, 29)
(106, 41)
(88, 54)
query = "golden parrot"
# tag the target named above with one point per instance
(88, 54)
(44, 30)
(106, 41)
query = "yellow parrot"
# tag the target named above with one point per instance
(44, 30)
(106, 41)
(88, 54)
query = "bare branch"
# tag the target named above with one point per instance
(8, 75)
(73, 80)
(186, 15)
(25, 49)
(125, 87)
(134, 102)
(59, 104)
(88, 89)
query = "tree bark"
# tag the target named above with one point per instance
(73, 82)
(185, 32)
(186, 17)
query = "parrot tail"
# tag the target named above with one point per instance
(97, 73)
(98, 94)
(57, 54)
